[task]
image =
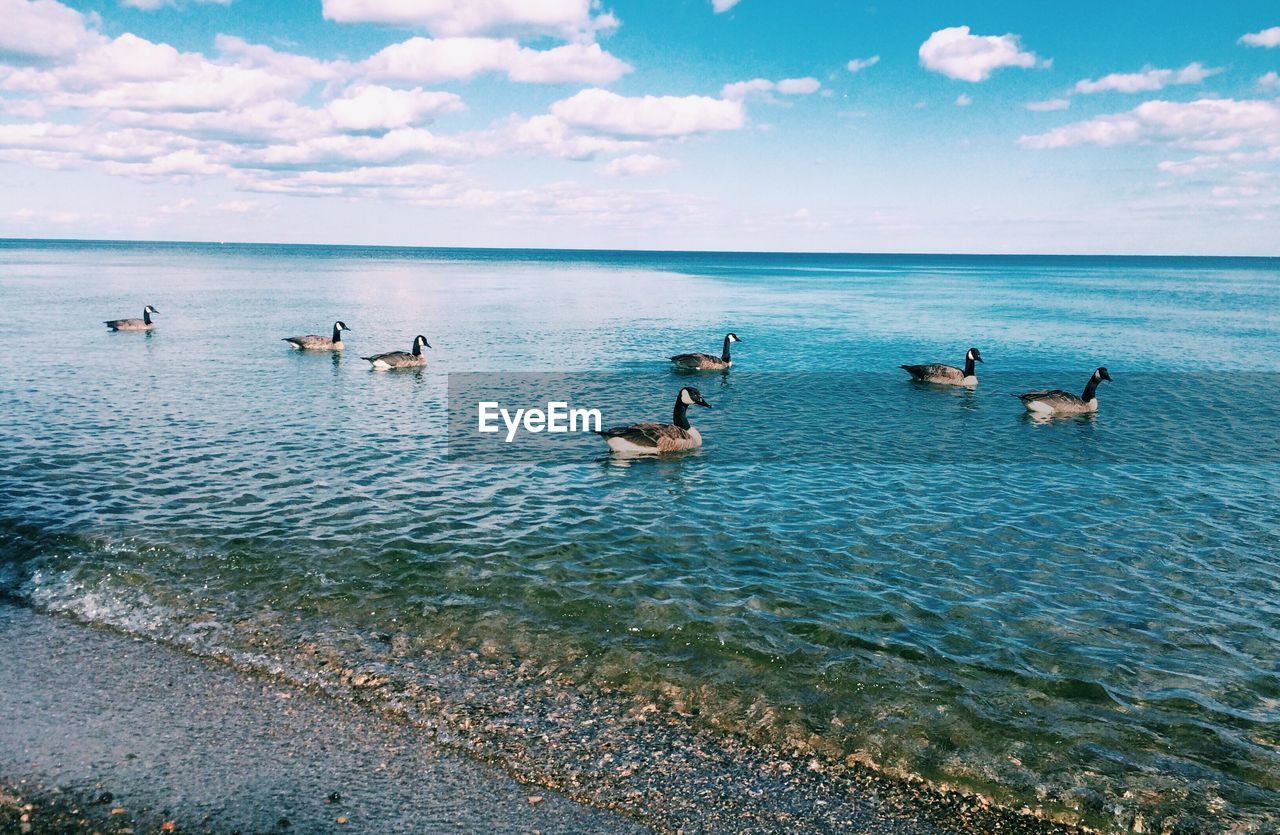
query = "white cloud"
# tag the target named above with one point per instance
(550, 135)
(956, 53)
(132, 73)
(647, 116)
(1212, 162)
(1048, 104)
(636, 164)
(41, 31)
(721, 6)
(152, 5)
(964, 100)
(564, 19)
(394, 147)
(372, 107)
(1213, 125)
(739, 90)
(1269, 81)
(1146, 81)
(241, 53)
(426, 60)
(860, 64)
(1266, 38)
(798, 86)
(385, 181)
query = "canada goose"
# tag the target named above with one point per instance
(143, 324)
(946, 375)
(401, 359)
(311, 342)
(707, 362)
(657, 438)
(1059, 402)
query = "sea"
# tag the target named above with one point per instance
(1077, 616)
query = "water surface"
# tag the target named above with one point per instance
(1081, 616)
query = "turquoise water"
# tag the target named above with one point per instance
(1079, 616)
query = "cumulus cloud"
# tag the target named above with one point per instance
(860, 64)
(1048, 104)
(564, 19)
(1266, 38)
(1148, 80)
(551, 135)
(956, 53)
(638, 164)
(648, 116)
(964, 100)
(1213, 125)
(427, 60)
(41, 32)
(721, 6)
(132, 73)
(372, 107)
(1269, 81)
(269, 121)
(739, 90)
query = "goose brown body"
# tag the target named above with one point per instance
(660, 438)
(143, 324)
(947, 375)
(707, 362)
(314, 342)
(1059, 403)
(392, 360)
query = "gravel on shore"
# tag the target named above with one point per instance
(101, 732)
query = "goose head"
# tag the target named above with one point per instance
(732, 337)
(340, 326)
(973, 354)
(1102, 374)
(690, 396)
(420, 341)
(148, 309)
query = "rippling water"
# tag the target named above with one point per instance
(1082, 615)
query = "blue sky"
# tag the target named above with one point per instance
(693, 124)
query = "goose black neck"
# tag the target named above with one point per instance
(1090, 390)
(417, 349)
(724, 354)
(678, 414)
(337, 334)
(969, 368)
(146, 316)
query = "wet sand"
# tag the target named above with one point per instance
(92, 722)
(89, 714)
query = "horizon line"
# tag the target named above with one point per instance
(590, 250)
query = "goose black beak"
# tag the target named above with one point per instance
(704, 404)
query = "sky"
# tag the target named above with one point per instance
(806, 125)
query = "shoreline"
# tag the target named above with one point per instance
(663, 776)
(101, 731)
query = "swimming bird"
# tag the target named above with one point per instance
(401, 359)
(143, 324)
(1059, 402)
(311, 342)
(707, 362)
(946, 375)
(657, 438)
